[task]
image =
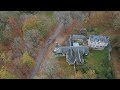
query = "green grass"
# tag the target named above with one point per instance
(95, 31)
(94, 58)
(98, 61)
(60, 58)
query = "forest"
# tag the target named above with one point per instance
(23, 35)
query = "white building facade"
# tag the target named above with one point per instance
(97, 42)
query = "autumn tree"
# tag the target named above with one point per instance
(79, 15)
(17, 47)
(1, 30)
(90, 74)
(26, 59)
(52, 70)
(8, 27)
(17, 31)
(67, 17)
(5, 74)
(26, 64)
(29, 12)
(39, 22)
(63, 17)
(104, 20)
(32, 38)
(4, 16)
(116, 20)
(3, 59)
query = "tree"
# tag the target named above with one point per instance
(89, 74)
(63, 17)
(26, 59)
(25, 65)
(104, 19)
(84, 68)
(116, 21)
(29, 12)
(5, 74)
(42, 23)
(67, 17)
(79, 15)
(3, 59)
(4, 16)
(1, 31)
(3, 56)
(18, 46)
(29, 23)
(17, 42)
(52, 70)
(17, 31)
(32, 38)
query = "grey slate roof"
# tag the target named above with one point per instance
(83, 49)
(70, 56)
(75, 56)
(67, 43)
(78, 57)
(74, 53)
(65, 49)
(78, 37)
(97, 38)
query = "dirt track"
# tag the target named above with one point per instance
(42, 52)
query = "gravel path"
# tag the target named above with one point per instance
(44, 50)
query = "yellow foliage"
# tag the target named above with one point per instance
(101, 19)
(90, 74)
(3, 56)
(78, 75)
(30, 22)
(41, 22)
(26, 59)
(4, 74)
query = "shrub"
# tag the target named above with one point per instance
(84, 68)
(100, 76)
(105, 74)
(114, 39)
(90, 29)
(90, 74)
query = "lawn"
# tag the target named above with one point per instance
(96, 66)
(94, 31)
(98, 61)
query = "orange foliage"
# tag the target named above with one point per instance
(16, 29)
(30, 23)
